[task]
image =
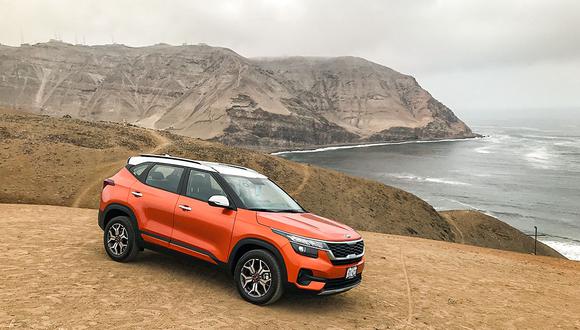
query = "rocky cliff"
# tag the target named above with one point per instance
(214, 93)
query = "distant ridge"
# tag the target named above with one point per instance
(214, 93)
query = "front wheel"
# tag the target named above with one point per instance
(259, 278)
(119, 239)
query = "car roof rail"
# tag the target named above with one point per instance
(203, 163)
(236, 166)
(167, 156)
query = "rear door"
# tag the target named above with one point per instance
(153, 199)
(199, 229)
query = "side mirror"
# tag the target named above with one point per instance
(219, 201)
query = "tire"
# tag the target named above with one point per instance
(128, 249)
(259, 293)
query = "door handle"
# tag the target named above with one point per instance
(136, 194)
(184, 207)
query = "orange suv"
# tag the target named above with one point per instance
(229, 216)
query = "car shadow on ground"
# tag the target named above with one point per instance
(186, 267)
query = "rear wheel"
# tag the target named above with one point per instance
(258, 277)
(119, 239)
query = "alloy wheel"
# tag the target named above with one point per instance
(117, 239)
(256, 278)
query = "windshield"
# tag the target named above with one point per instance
(260, 194)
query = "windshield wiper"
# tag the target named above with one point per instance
(261, 210)
(276, 211)
(289, 211)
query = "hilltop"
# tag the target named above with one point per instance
(62, 161)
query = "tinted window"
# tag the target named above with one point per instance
(165, 177)
(137, 170)
(202, 186)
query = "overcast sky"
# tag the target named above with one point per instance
(471, 55)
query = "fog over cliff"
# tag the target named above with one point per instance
(474, 55)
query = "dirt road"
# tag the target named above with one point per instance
(86, 195)
(54, 273)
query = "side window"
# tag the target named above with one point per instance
(164, 177)
(137, 170)
(201, 185)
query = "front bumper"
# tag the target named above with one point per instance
(333, 286)
(320, 275)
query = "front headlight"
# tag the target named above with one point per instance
(304, 246)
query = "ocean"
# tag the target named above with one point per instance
(523, 172)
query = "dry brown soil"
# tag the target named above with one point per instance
(55, 273)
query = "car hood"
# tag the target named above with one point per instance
(308, 225)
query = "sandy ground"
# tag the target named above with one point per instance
(55, 273)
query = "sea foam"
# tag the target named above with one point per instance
(411, 177)
(353, 146)
(570, 250)
(540, 157)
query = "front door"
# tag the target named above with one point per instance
(200, 229)
(154, 202)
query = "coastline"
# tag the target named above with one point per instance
(374, 144)
(567, 246)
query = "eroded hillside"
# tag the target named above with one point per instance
(62, 161)
(214, 93)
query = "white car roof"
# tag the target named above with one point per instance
(197, 164)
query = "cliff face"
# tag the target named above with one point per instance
(365, 98)
(214, 93)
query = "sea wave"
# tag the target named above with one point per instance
(483, 150)
(545, 137)
(540, 153)
(464, 204)
(570, 249)
(574, 144)
(522, 128)
(540, 157)
(367, 145)
(411, 177)
(512, 215)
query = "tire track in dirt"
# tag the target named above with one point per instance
(65, 279)
(452, 222)
(305, 178)
(161, 142)
(408, 286)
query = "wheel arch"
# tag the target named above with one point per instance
(114, 210)
(248, 244)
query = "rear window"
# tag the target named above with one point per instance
(164, 177)
(137, 170)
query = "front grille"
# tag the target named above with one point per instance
(340, 283)
(346, 261)
(342, 250)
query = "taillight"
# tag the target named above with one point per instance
(108, 182)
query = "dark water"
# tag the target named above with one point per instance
(524, 175)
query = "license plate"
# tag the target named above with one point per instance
(351, 272)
